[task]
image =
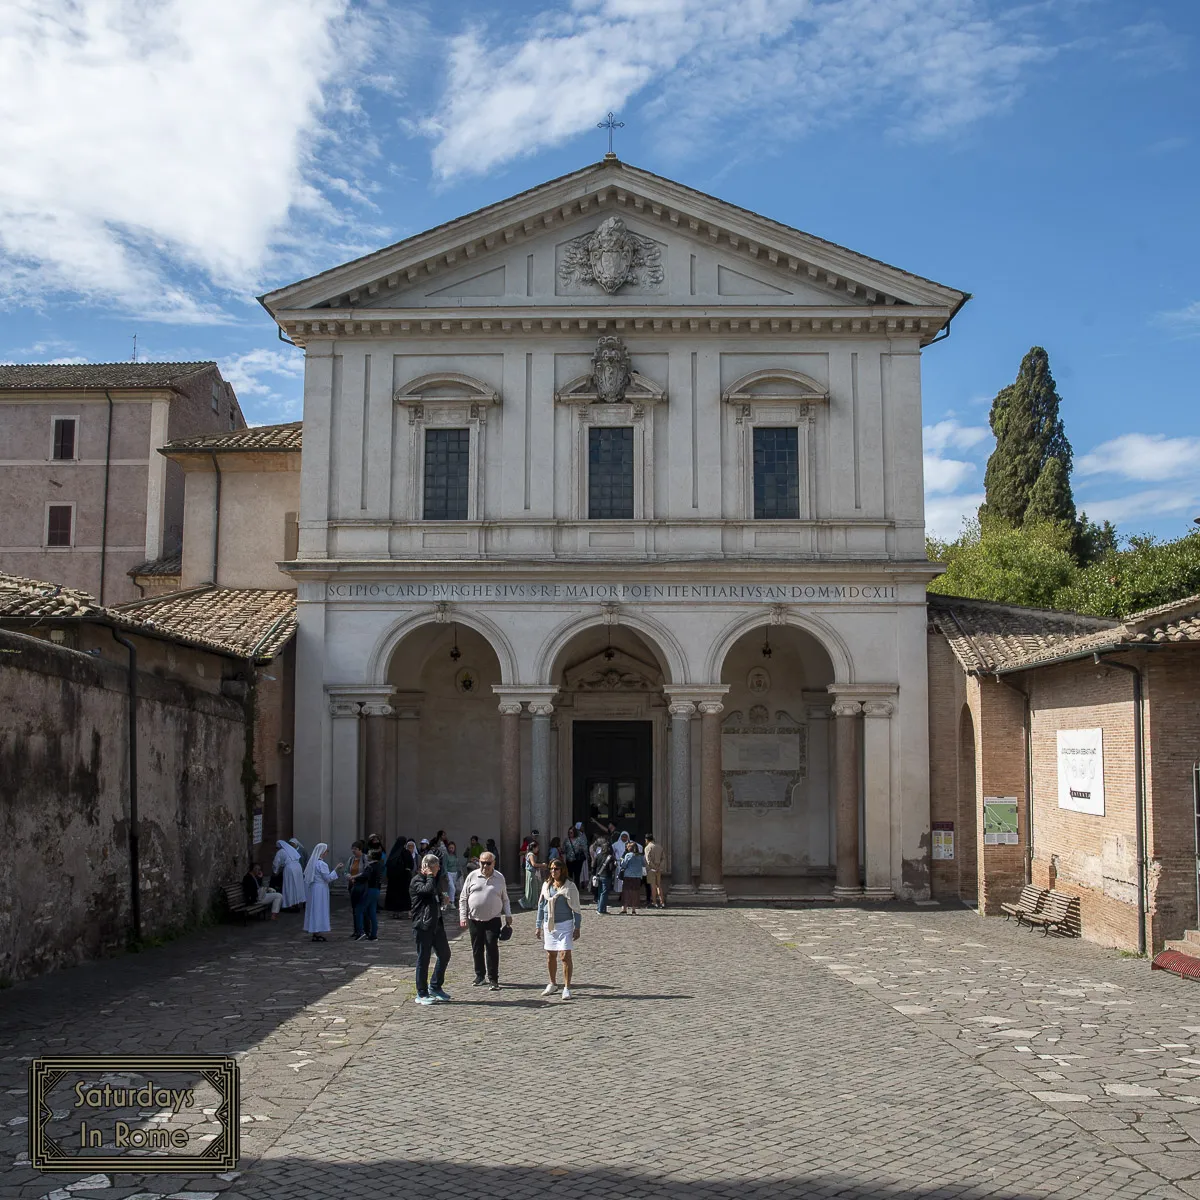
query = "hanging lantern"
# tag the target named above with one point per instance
(455, 652)
(766, 649)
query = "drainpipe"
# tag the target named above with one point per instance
(1027, 721)
(216, 517)
(1139, 791)
(104, 517)
(135, 898)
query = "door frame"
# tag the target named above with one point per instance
(645, 736)
(598, 706)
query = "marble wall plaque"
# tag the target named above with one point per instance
(762, 760)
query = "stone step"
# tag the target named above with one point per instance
(1192, 935)
(1184, 946)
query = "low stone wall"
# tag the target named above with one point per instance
(64, 803)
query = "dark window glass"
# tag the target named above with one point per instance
(610, 473)
(58, 525)
(447, 474)
(64, 437)
(776, 474)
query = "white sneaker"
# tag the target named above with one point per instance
(550, 989)
(566, 993)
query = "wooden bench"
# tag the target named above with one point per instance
(1031, 900)
(1060, 913)
(235, 900)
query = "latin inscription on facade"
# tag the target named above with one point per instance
(777, 593)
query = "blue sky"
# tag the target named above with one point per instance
(164, 164)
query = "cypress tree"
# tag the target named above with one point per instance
(1028, 475)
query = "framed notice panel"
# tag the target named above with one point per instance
(1081, 770)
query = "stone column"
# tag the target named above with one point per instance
(846, 712)
(712, 803)
(681, 797)
(877, 790)
(510, 788)
(822, 827)
(343, 785)
(376, 717)
(540, 774)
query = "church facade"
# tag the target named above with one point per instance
(611, 510)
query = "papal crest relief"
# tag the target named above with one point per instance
(612, 256)
(611, 370)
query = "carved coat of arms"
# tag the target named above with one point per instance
(612, 256)
(610, 370)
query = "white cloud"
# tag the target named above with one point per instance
(1154, 502)
(1184, 320)
(268, 383)
(946, 474)
(1146, 456)
(951, 435)
(944, 517)
(784, 66)
(152, 152)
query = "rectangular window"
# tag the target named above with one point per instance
(610, 473)
(59, 519)
(216, 395)
(776, 474)
(64, 437)
(447, 471)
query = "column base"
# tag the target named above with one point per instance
(710, 893)
(847, 893)
(878, 893)
(681, 893)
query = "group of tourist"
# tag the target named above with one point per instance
(614, 863)
(427, 876)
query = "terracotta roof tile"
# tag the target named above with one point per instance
(96, 375)
(35, 598)
(239, 621)
(986, 636)
(257, 437)
(171, 564)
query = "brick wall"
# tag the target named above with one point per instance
(999, 729)
(1172, 695)
(1092, 857)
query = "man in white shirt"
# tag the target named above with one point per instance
(482, 903)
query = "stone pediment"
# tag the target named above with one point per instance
(620, 673)
(608, 239)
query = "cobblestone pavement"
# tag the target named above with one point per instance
(744, 1053)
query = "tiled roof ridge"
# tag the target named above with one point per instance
(120, 376)
(945, 600)
(286, 435)
(150, 362)
(1154, 615)
(165, 564)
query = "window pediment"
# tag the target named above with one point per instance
(445, 387)
(582, 390)
(775, 385)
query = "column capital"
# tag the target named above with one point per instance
(694, 693)
(506, 693)
(877, 708)
(377, 710)
(710, 708)
(344, 708)
(510, 708)
(846, 708)
(681, 708)
(360, 695)
(541, 708)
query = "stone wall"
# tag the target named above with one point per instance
(64, 821)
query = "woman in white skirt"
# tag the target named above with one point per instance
(559, 915)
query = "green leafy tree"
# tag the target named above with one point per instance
(993, 560)
(1147, 573)
(1030, 467)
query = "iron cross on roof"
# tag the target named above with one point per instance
(610, 123)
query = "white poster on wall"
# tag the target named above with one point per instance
(1081, 770)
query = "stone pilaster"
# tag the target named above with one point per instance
(510, 788)
(712, 804)
(680, 846)
(846, 714)
(877, 791)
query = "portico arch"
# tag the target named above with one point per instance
(385, 646)
(829, 639)
(658, 638)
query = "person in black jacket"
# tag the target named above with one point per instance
(255, 888)
(365, 896)
(425, 891)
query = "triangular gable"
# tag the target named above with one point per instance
(600, 190)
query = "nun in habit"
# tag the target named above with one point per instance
(287, 865)
(318, 875)
(400, 863)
